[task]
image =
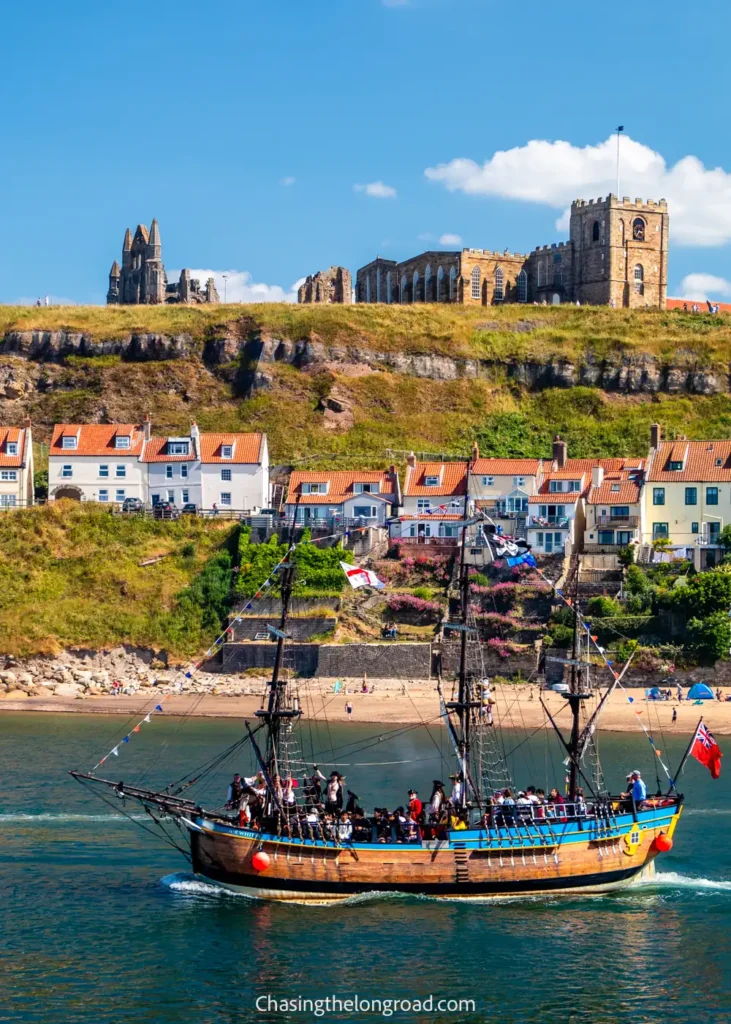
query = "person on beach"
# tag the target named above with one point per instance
(348, 709)
(675, 715)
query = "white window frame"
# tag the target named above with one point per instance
(185, 497)
(227, 451)
(488, 481)
(120, 494)
(226, 475)
(431, 481)
(9, 474)
(8, 500)
(225, 498)
(171, 497)
(475, 277)
(104, 471)
(120, 472)
(518, 481)
(122, 441)
(364, 515)
(168, 472)
(184, 471)
(69, 442)
(12, 448)
(67, 472)
(178, 448)
(423, 504)
(104, 494)
(499, 292)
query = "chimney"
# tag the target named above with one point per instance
(655, 435)
(395, 486)
(475, 451)
(147, 426)
(195, 436)
(597, 476)
(411, 460)
(559, 452)
(26, 422)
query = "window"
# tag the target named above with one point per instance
(595, 231)
(522, 286)
(675, 467)
(620, 511)
(314, 489)
(488, 481)
(120, 471)
(427, 283)
(539, 275)
(574, 485)
(68, 441)
(121, 441)
(104, 471)
(67, 472)
(719, 462)
(555, 486)
(638, 229)
(415, 291)
(658, 495)
(184, 471)
(12, 448)
(7, 500)
(639, 279)
(371, 488)
(378, 284)
(615, 487)
(452, 282)
(694, 528)
(368, 288)
(225, 497)
(119, 494)
(475, 277)
(499, 284)
(388, 286)
(185, 495)
(624, 537)
(606, 536)
(691, 495)
(9, 474)
(714, 529)
(227, 451)
(540, 538)
(659, 531)
(178, 448)
(404, 289)
(423, 504)
(104, 495)
(225, 474)
(711, 495)
(440, 279)
(171, 497)
(168, 472)
(448, 531)
(431, 481)
(155, 499)
(364, 511)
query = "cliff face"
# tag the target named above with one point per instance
(255, 351)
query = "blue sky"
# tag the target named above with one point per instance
(245, 127)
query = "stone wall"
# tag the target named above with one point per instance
(551, 272)
(488, 267)
(332, 285)
(378, 661)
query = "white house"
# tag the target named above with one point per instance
(613, 509)
(16, 466)
(434, 487)
(366, 494)
(225, 471)
(96, 462)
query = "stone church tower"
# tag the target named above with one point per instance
(141, 280)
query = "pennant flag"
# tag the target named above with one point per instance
(361, 577)
(706, 750)
(147, 718)
(158, 707)
(631, 700)
(116, 752)
(126, 739)
(136, 729)
(102, 760)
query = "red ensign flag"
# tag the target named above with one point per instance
(706, 750)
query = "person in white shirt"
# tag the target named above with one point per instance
(457, 789)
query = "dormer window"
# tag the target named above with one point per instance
(178, 447)
(227, 451)
(122, 441)
(574, 485)
(69, 441)
(314, 488)
(615, 487)
(371, 488)
(12, 448)
(555, 486)
(719, 462)
(675, 467)
(431, 481)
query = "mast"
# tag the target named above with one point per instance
(575, 696)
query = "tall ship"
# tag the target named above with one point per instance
(286, 833)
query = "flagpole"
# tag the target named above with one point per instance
(686, 755)
(620, 129)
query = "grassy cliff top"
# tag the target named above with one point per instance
(509, 332)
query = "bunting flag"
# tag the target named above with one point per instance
(357, 577)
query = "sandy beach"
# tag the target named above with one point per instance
(518, 706)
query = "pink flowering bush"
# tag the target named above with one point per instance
(495, 625)
(499, 647)
(411, 608)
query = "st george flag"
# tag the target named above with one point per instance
(361, 577)
(705, 749)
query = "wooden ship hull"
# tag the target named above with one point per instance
(557, 858)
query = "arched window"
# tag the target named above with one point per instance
(452, 283)
(378, 284)
(404, 290)
(440, 279)
(595, 231)
(639, 279)
(368, 288)
(427, 283)
(638, 229)
(499, 292)
(475, 282)
(557, 276)
(539, 275)
(522, 286)
(621, 232)
(415, 292)
(388, 286)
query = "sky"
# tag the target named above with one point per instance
(271, 140)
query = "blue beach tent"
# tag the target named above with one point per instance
(700, 692)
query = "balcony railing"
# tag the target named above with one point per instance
(433, 541)
(562, 522)
(629, 522)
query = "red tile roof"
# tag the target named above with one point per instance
(505, 467)
(700, 461)
(12, 434)
(547, 496)
(342, 485)
(452, 477)
(628, 493)
(246, 449)
(434, 516)
(156, 451)
(97, 439)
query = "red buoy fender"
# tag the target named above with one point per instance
(663, 842)
(260, 861)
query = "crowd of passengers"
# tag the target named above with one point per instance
(332, 812)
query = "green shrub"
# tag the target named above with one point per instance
(705, 594)
(603, 607)
(423, 592)
(559, 636)
(710, 637)
(318, 567)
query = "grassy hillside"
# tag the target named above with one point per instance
(70, 575)
(390, 410)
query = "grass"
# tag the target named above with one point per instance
(69, 576)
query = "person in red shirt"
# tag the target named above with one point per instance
(415, 805)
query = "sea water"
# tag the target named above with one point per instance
(102, 922)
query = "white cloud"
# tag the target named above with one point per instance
(450, 239)
(377, 190)
(239, 286)
(289, 180)
(555, 173)
(700, 287)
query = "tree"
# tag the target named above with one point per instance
(724, 537)
(706, 594)
(626, 556)
(711, 636)
(603, 607)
